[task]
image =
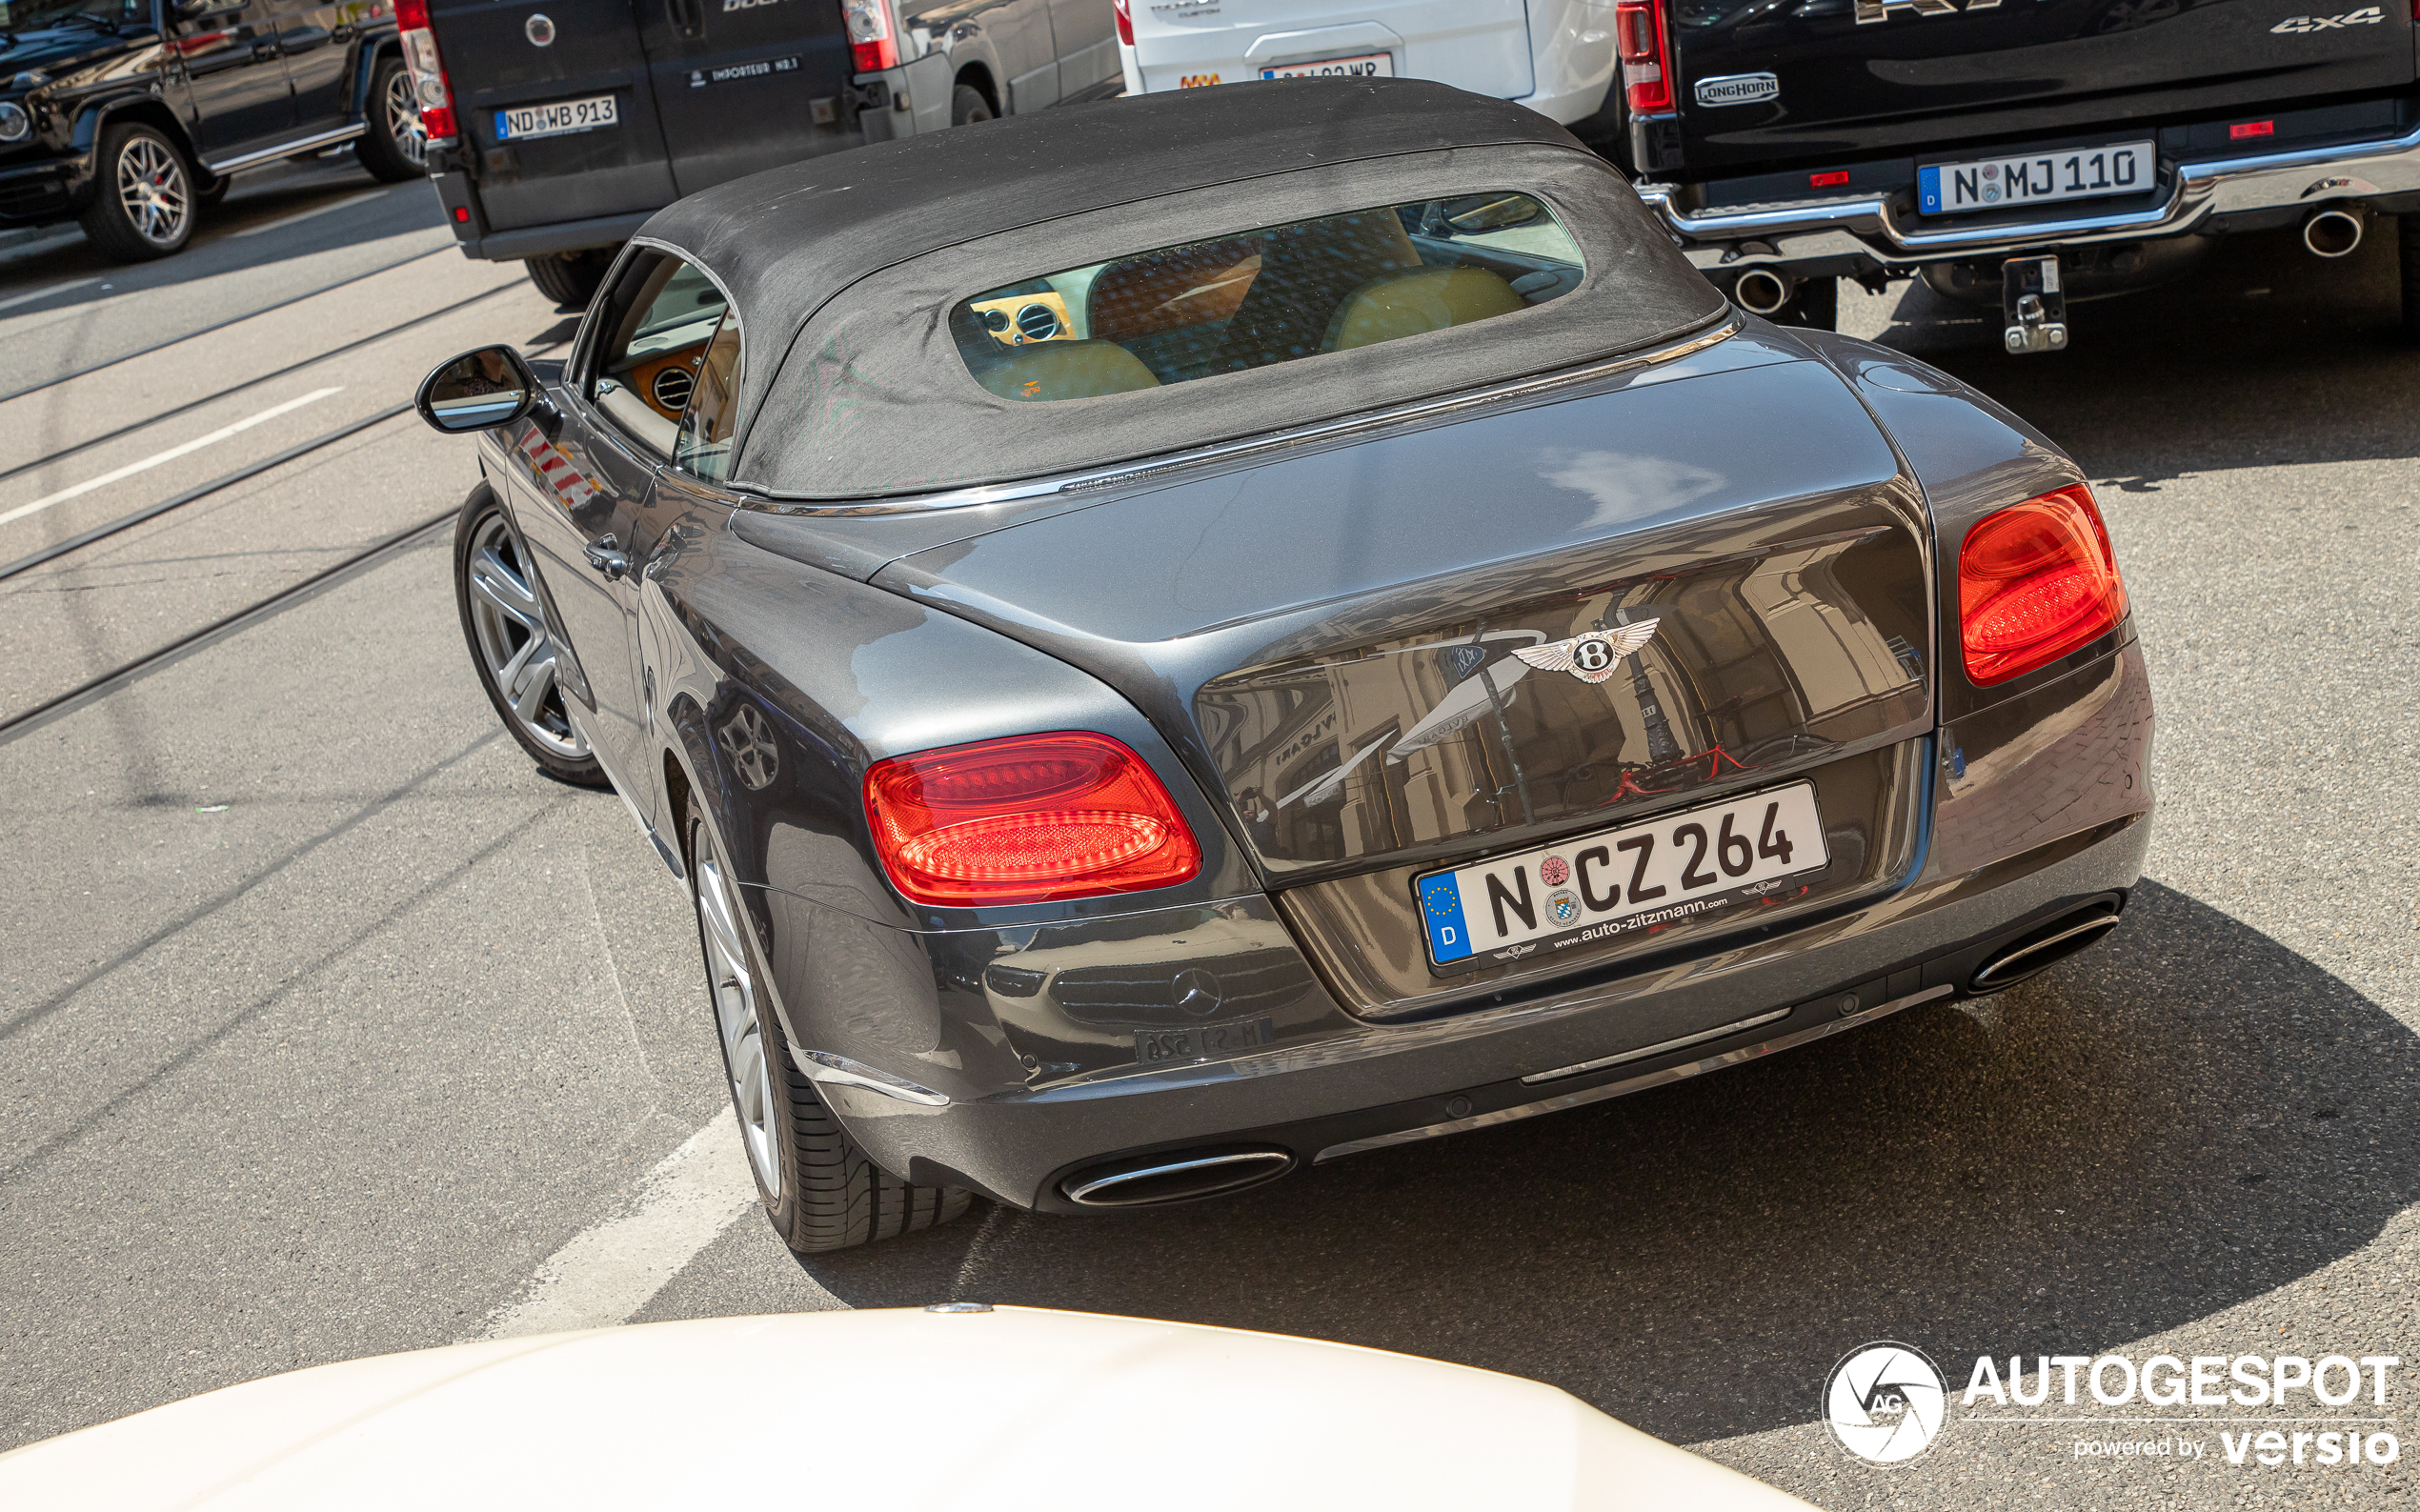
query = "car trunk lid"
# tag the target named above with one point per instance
(1763, 85)
(1331, 639)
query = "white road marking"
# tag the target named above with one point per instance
(608, 1270)
(322, 209)
(45, 294)
(170, 455)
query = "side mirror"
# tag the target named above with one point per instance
(479, 391)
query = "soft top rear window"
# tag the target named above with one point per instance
(1231, 303)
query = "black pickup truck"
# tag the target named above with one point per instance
(2016, 152)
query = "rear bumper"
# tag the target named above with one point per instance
(463, 212)
(2040, 807)
(1864, 232)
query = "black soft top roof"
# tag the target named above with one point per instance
(786, 242)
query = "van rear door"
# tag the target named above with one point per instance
(566, 126)
(1482, 46)
(747, 85)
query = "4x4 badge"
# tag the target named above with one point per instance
(2292, 26)
(1869, 12)
(1591, 657)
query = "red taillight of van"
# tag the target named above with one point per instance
(1646, 58)
(1126, 20)
(430, 89)
(1026, 819)
(874, 34)
(2036, 581)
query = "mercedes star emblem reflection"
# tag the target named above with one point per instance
(1885, 1402)
(1593, 656)
(539, 28)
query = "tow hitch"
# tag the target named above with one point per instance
(2035, 309)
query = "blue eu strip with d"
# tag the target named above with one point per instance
(1441, 909)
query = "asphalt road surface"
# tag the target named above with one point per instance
(329, 1027)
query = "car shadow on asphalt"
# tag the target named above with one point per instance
(2261, 355)
(2180, 1121)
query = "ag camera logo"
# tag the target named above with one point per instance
(1885, 1402)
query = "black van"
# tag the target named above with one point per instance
(557, 126)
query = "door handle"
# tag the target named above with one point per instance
(605, 558)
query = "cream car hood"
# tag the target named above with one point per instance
(1012, 1408)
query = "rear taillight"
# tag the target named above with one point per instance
(874, 34)
(2036, 581)
(429, 87)
(1026, 820)
(1646, 61)
(1126, 20)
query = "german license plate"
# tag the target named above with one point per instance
(2036, 178)
(1159, 1047)
(1363, 66)
(1597, 886)
(561, 118)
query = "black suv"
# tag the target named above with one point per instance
(129, 116)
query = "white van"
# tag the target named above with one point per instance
(1555, 56)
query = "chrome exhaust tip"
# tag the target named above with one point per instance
(2044, 948)
(1761, 290)
(1178, 1176)
(2331, 233)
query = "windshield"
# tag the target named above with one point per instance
(1277, 294)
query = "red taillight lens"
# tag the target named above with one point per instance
(1025, 820)
(1646, 63)
(2035, 582)
(429, 86)
(1126, 20)
(873, 39)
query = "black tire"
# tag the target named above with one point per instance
(826, 1195)
(217, 191)
(394, 149)
(542, 738)
(2407, 245)
(132, 151)
(967, 106)
(571, 279)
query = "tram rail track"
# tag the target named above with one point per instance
(64, 453)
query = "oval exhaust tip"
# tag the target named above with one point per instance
(1178, 1177)
(2042, 949)
(1762, 291)
(2331, 233)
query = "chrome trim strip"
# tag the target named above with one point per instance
(1991, 969)
(1615, 1089)
(1649, 1052)
(270, 155)
(1082, 1193)
(1871, 225)
(827, 1070)
(1723, 328)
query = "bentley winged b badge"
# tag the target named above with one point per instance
(1591, 657)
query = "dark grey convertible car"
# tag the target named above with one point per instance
(1179, 640)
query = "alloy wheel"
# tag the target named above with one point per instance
(516, 652)
(152, 186)
(738, 1020)
(403, 118)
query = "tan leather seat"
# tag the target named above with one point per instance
(1431, 300)
(1068, 369)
